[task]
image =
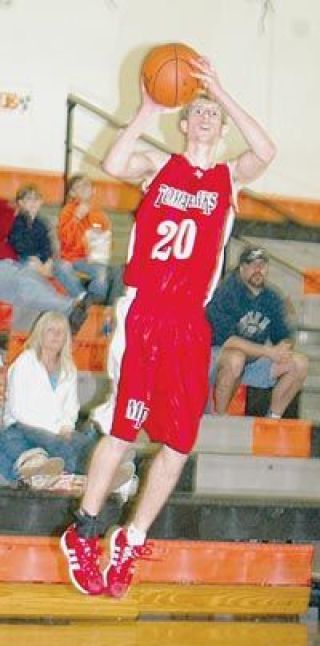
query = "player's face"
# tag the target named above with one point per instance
(254, 273)
(54, 337)
(204, 121)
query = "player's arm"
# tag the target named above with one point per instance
(261, 150)
(122, 161)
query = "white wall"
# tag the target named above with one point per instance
(95, 48)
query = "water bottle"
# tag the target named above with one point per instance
(98, 244)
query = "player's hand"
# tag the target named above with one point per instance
(207, 75)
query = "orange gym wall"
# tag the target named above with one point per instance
(121, 197)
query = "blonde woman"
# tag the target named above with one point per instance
(42, 405)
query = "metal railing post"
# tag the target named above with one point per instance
(68, 143)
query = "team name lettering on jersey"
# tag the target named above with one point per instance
(205, 201)
(137, 412)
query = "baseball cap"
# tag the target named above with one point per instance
(249, 254)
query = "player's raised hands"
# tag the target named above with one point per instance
(207, 75)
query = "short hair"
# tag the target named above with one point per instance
(34, 341)
(26, 190)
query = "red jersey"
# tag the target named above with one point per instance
(180, 231)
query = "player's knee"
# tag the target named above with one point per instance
(117, 445)
(174, 460)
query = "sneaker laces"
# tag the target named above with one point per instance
(89, 554)
(129, 553)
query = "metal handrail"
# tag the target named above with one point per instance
(73, 101)
(113, 121)
(264, 201)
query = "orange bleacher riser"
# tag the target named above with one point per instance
(285, 438)
(39, 559)
(311, 281)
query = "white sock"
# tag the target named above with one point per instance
(272, 415)
(135, 536)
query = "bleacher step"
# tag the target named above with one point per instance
(238, 517)
(104, 632)
(61, 601)
(254, 436)
(292, 478)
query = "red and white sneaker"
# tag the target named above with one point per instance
(83, 558)
(120, 570)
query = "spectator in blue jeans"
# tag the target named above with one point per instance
(21, 286)
(41, 405)
(252, 341)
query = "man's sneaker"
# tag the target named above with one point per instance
(119, 572)
(83, 556)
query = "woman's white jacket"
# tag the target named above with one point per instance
(31, 400)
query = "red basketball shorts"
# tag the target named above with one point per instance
(163, 385)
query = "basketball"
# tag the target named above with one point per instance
(166, 74)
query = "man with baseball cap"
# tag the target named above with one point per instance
(252, 340)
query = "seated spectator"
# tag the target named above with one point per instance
(22, 286)
(30, 239)
(41, 404)
(85, 241)
(253, 342)
(40, 419)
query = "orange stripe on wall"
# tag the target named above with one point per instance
(118, 196)
(251, 209)
(49, 183)
(115, 196)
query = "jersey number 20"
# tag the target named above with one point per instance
(176, 240)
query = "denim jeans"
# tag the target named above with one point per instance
(66, 275)
(115, 284)
(98, 278)
(20, 285)
(18, 438)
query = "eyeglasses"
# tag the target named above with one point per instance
(202, 110)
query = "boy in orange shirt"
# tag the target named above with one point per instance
(76, 220)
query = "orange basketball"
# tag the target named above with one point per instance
(166, 74)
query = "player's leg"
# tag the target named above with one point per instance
(80, 541)
(179, 396)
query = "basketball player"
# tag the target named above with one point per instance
(181, 226)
